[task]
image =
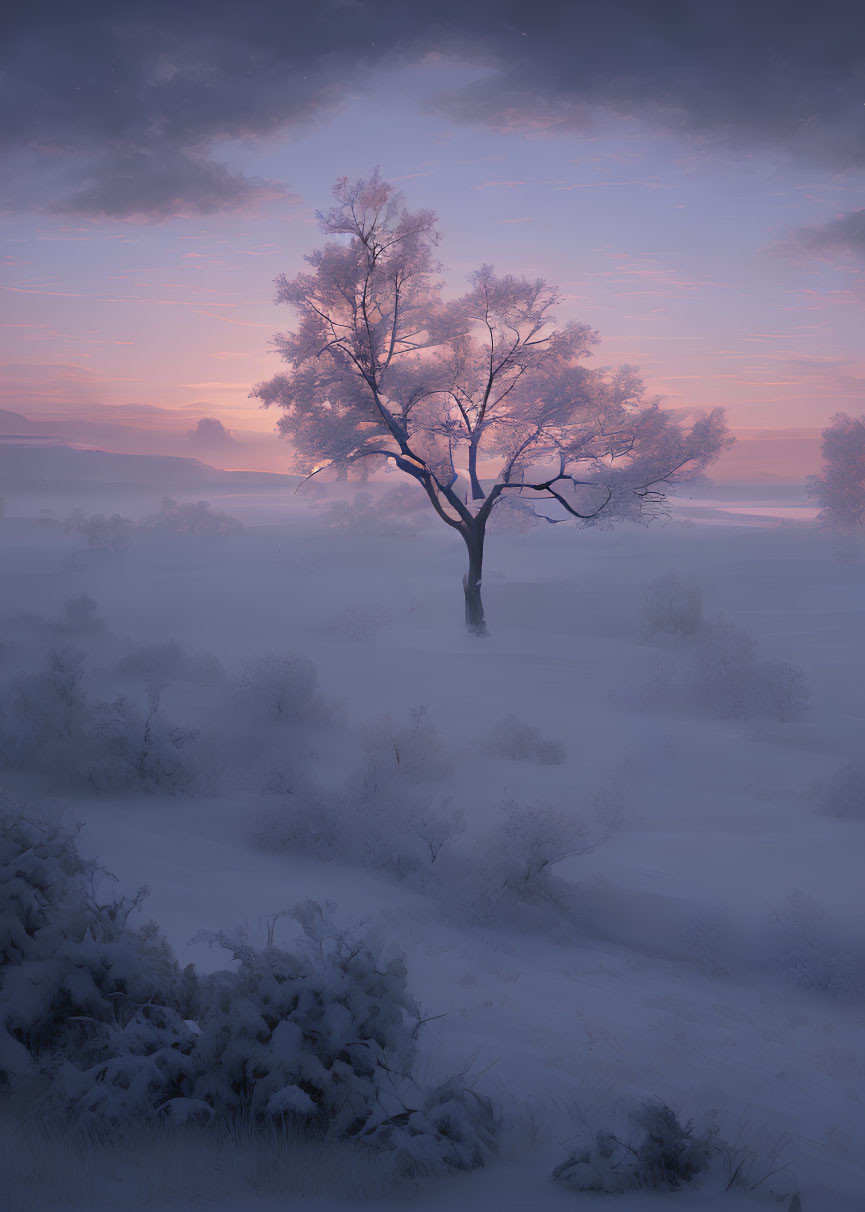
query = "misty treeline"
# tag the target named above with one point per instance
(479, 400)
(114, 532)
(86, 712)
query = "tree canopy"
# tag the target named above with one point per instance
(478, 399)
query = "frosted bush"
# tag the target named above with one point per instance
(51, 725)
(191, 517)
(383, 816)
(171, 661)
(658, 1154)
(305, 821)
(514, 739)
(98, 1014)
(130, 749)
(87, 1001)
(723, 670)
(516, 858)
(366, 823)
(413, 751)
(729, 681)
(103, 533)
(280, 686)
(671, 607)
(312, 1034)
(437, 824)
(452, 1126)
(375, 829)
(844, 795)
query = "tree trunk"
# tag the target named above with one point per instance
(474, 540)
(478, 493)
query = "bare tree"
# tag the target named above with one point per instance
(381, 367)
(840, 490)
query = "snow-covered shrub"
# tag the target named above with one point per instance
(171, 661)
(671, 607)
(659, 1153)
(514, 739)
(515, 859)
(280, 686)
(103, 533)
(413, 751)
(453, 1126)
(366, 823)
(437, 824)
(384, 816)
(92, 1009)
(97, 1017)
(723, 670)
(304, 820)
(52, 725)
(191, 517)
(130, 749)
(808, 956)
(311, 1034)
(729, 681)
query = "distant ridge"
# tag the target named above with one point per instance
(58, 466)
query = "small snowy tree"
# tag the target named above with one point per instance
(840, 490)
(279, 686)
(484, 388)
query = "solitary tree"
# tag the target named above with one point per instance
(450, 392)
(840, 490)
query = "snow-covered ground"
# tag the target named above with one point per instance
(708, 951)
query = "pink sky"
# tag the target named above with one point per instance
(705, 267)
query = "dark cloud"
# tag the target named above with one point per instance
(120, 103)
(841, 237)
(738, 74)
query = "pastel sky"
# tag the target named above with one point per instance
(691, 175)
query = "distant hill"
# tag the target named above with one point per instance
(14, 423)
(56, 467)
(248, 449)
